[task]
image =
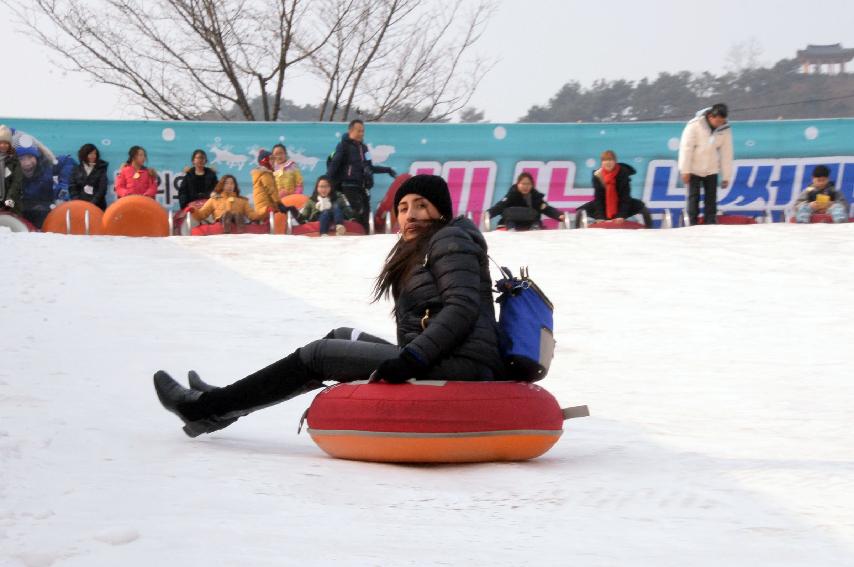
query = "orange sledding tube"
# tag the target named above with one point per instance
(136, 215)
(75, 212)
(297, 200)
(401, 448)
(435, 421)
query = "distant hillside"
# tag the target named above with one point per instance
(753, 94)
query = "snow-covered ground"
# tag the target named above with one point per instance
(716, 361)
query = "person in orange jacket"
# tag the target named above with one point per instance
(265, 194)
(134, 178)
(227, 206)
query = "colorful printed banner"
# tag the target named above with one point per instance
(774, 159)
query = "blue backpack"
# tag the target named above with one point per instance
(526, 326)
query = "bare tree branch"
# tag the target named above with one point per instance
(231, 59)
(403, 60)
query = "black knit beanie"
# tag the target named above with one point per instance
(821, 171)
(431, 187)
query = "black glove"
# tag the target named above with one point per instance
(393, 173)
(295, 212)
(398, 370)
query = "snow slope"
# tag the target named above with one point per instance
(716, 362)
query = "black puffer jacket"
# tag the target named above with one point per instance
(351, 165)
(460, 341)
(11, 180)
(624, 191)
(96, 179)
(193, 187)
(514, 198)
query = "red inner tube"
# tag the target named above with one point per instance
(435, 407)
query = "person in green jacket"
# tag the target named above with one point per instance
(326, 206)
(11, 174)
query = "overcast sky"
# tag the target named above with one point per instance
(540, 45)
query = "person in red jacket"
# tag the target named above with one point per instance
(134, 178)
(612, 194)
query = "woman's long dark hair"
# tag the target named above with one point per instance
(220, 186)
(132, 152)
(528, 176)
(85, 150)
(332, 194)
(402, 259)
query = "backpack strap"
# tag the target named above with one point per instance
(504, 271)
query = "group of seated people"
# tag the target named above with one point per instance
(523, 206)
(227, 206)
(278, 177)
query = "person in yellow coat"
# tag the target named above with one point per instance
(286, 172)
(227, 206)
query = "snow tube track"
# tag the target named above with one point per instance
(217, 228)
(437, 421)
(625, 225)
(819, 218)
(313, 229)
(730, 219)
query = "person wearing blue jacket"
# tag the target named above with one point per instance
(45, 181)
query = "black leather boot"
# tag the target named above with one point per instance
(216, 408)
(196, 382)
(185, 404)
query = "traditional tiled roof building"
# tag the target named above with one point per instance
(815, 57)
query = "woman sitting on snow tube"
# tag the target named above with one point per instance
(612, 193)
(438, 275)
(227, 206)
(522, 206)
(326, 206)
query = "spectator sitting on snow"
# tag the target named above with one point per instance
(326, 206)
(134, 178)
(522, 206)
(11, 176)
(198, 181)
(227, 206)
(286, 173)
(821, 197)
(612, 193)
(45, 181)
(89, 177)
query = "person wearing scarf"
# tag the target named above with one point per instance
(609, 178)
(612, 194)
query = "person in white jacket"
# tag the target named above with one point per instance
(705, 152)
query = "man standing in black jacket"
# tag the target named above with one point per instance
(352, 172)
